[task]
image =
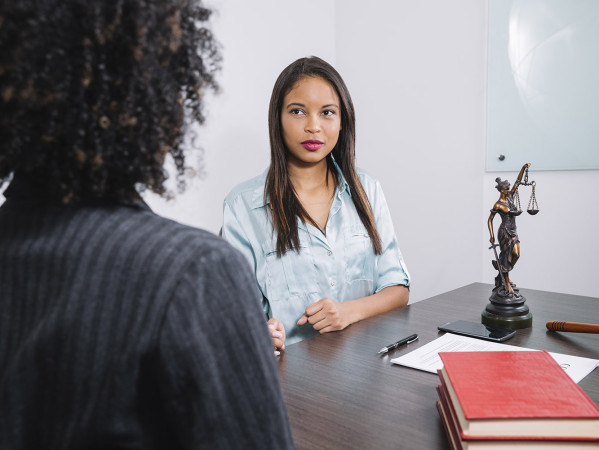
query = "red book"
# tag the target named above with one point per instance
(450, 431)
(457, 443)
(515, 395)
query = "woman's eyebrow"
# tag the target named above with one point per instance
(330, 105)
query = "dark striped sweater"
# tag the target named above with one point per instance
(122, 329)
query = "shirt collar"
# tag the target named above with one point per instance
(258, 194)
(343, 185)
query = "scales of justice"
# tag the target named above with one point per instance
(507, 307)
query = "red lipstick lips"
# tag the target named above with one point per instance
(312, 144)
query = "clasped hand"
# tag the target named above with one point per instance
(325, 315)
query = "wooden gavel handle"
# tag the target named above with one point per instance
(574, 327)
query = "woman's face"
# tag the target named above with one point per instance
(504, 186)
(310, 121)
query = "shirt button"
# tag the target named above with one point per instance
(333, 283)
(329, 253)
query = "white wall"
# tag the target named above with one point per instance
(416, 71)
(417, 74)
(259, 40)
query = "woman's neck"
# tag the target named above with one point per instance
(310, 178)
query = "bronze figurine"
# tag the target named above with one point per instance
(507, 308)
(508, 208)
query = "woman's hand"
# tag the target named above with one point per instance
(329, 315)
(277, 334)
(326, 315)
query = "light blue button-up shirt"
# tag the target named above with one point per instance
(341, 265)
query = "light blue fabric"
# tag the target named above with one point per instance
(341, 265)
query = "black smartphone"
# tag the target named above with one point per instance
(478, 330)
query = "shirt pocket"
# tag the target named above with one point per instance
(290, 275)
(359, 255)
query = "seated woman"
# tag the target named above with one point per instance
(316, 230)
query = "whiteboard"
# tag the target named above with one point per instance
(543, 85)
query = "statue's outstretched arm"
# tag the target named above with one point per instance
(519, 179)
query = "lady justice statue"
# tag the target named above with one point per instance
(507, 308)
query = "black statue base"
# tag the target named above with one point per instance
(507, 310)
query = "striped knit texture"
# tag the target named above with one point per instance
(121, 329)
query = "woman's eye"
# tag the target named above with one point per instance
(296, 111)
(328, 112)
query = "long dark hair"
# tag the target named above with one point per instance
(94, 95)
(285, 207)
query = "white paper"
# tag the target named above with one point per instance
(427, 357)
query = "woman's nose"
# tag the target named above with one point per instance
(312, 125)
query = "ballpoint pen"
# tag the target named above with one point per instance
(403, 341)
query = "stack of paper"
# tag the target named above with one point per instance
(426, 357)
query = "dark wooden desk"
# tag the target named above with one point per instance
(341, 395)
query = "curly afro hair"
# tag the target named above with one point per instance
(95, 94)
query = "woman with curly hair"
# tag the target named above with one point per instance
(316, 229)
(112, 330)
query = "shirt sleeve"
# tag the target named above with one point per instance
(235, 234)
(218, 377)
(390, 265)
